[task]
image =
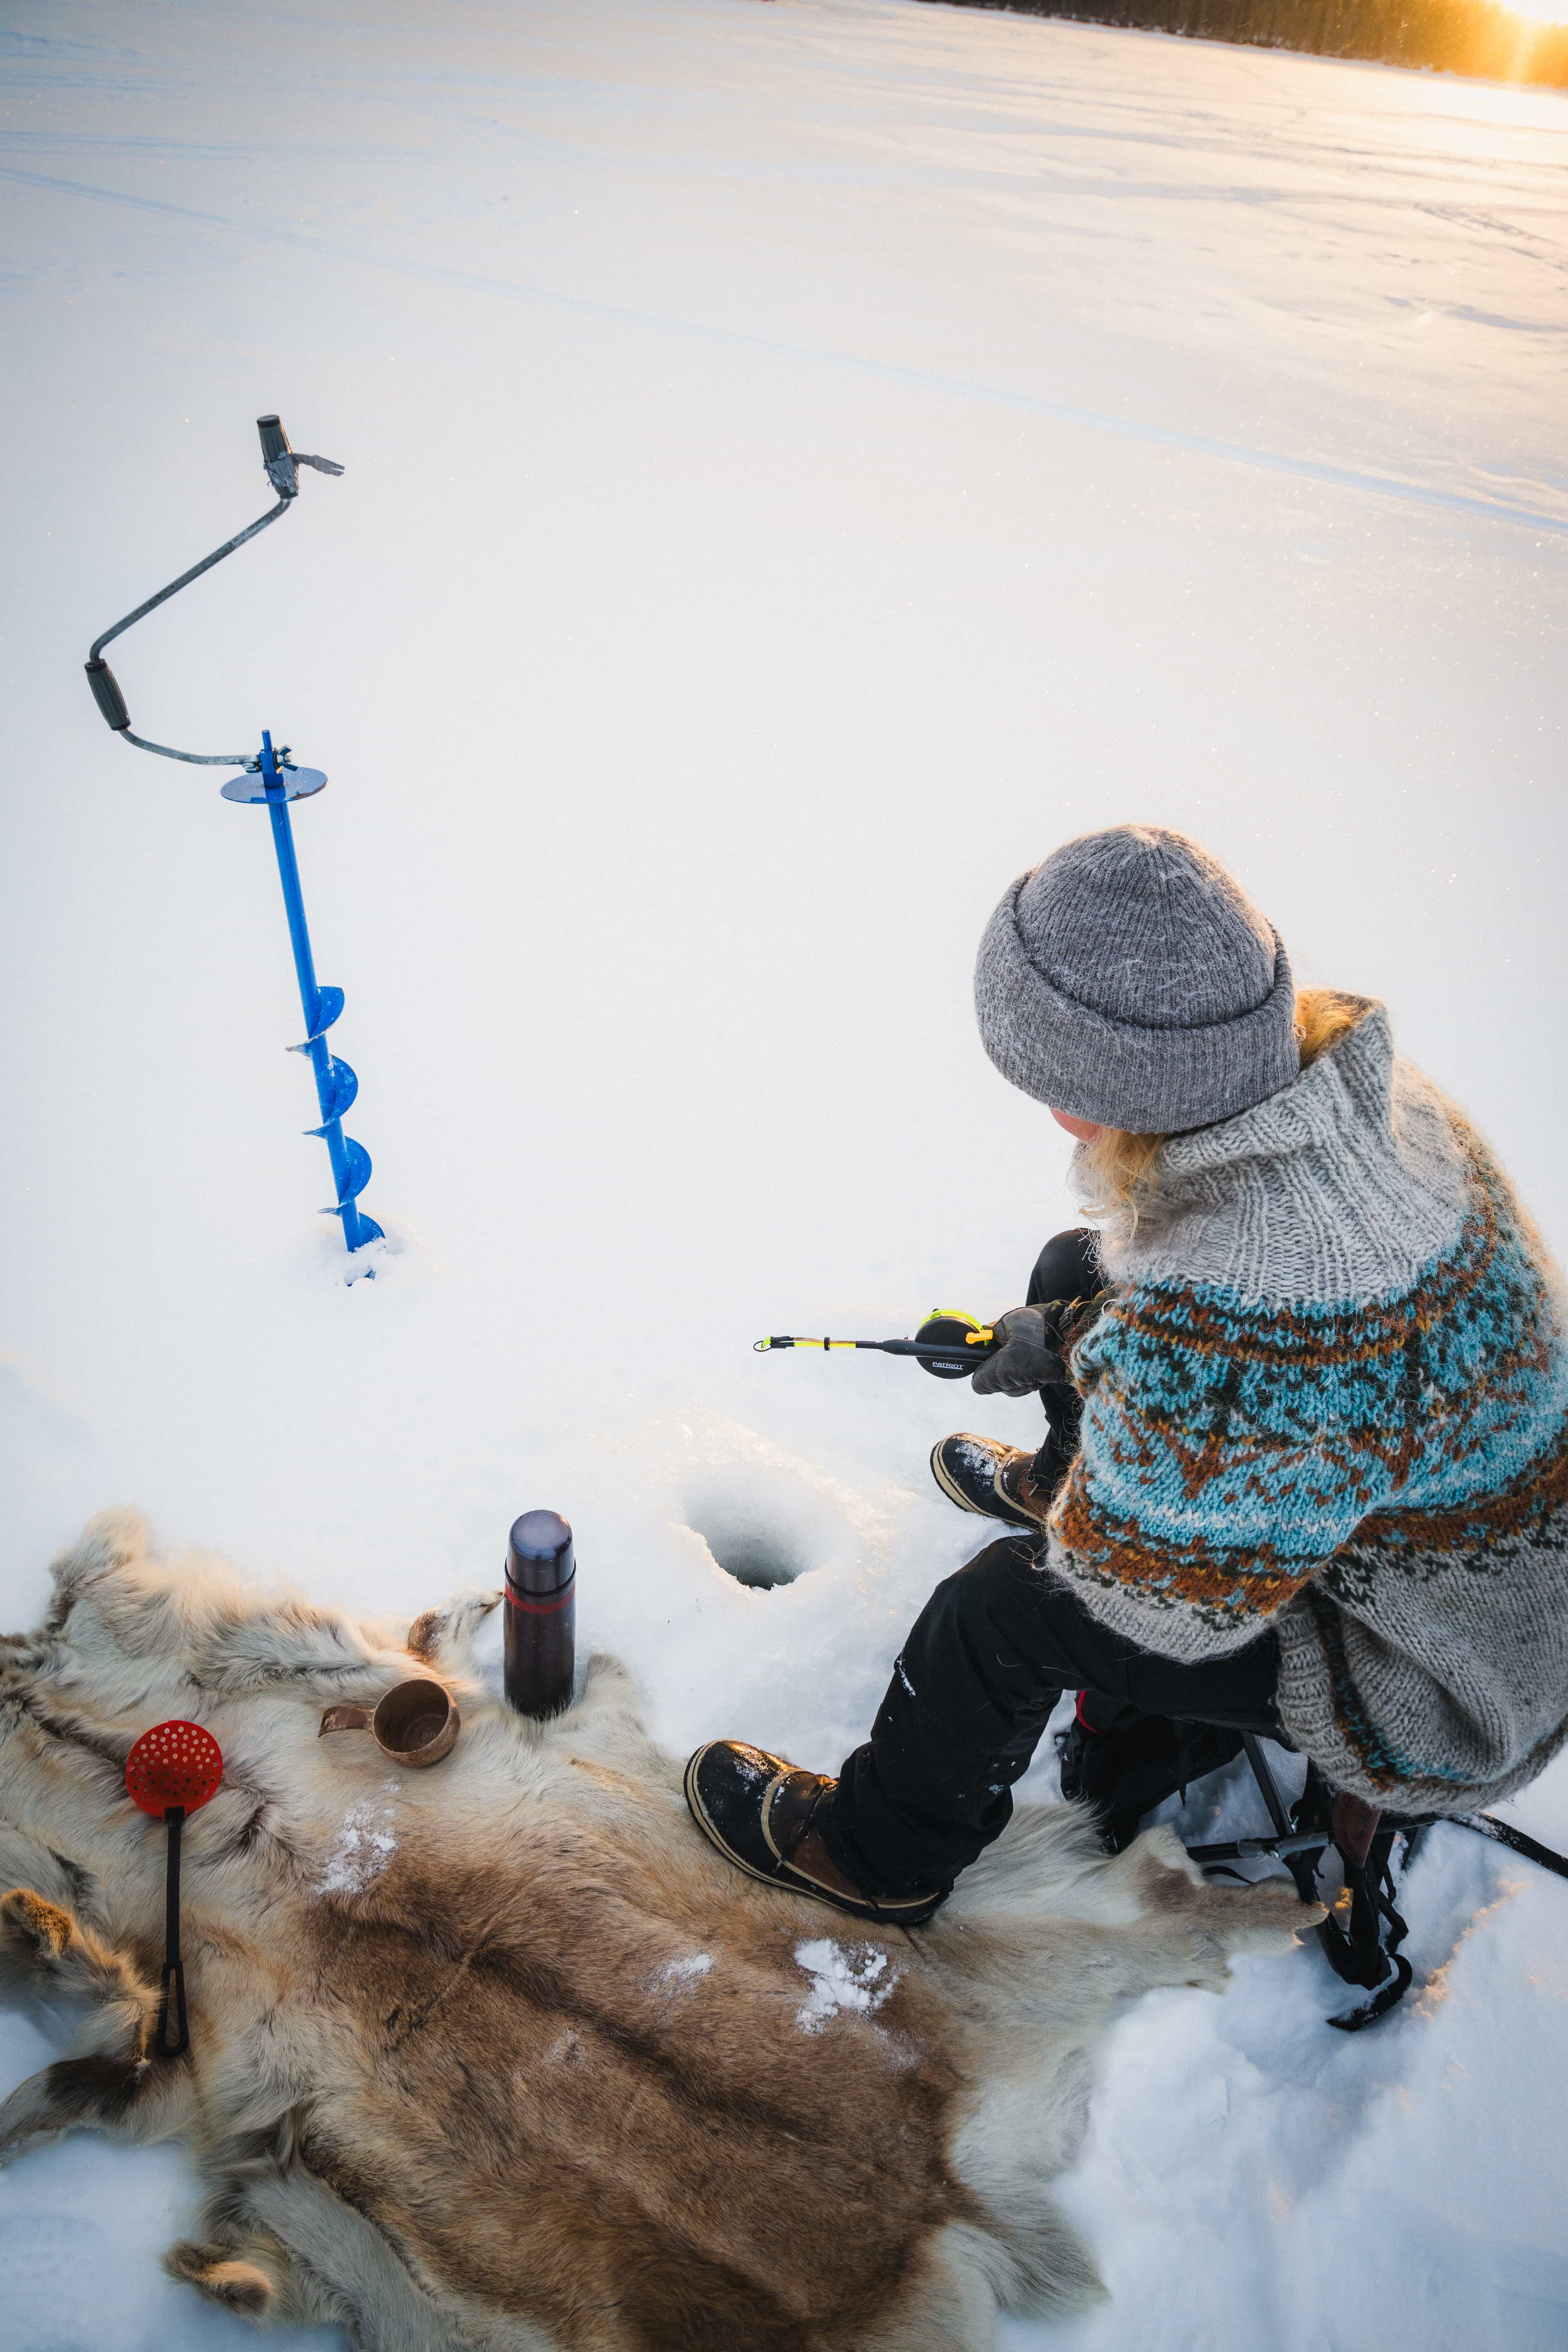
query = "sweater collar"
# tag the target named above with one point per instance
(1339, 1188)
(1349, 1089)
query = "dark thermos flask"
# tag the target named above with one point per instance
(541, 1613)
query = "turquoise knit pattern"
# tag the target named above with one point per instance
(1382, 1477)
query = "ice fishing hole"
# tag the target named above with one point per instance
(751, 1558)
(765, 1526)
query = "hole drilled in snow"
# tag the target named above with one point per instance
(753, 1559)
(763, 1525)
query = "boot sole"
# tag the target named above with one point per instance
(913, 1914)
(1005, 1508)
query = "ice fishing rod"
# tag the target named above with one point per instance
(270, 779)
(949, 1345)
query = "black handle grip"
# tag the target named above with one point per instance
(172, 2007)
(107, 695)
(278, 457)
(172, 2013)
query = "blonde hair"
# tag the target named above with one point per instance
(1114, 1171)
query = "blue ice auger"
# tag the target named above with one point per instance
(271, 780)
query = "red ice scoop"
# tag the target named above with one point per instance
(171, 1772)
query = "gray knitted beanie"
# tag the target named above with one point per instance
(1128, 981)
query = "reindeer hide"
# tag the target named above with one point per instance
(501, 2053)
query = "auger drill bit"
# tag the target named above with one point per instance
(277, 784)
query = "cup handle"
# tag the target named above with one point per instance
(344, 1718)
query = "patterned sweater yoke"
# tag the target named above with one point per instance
(1330, 1394)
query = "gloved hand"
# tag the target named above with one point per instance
(1030, 1357)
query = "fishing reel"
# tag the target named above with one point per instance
(953, 1344)
(948, 1345)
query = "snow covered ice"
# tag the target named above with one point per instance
(803, 460)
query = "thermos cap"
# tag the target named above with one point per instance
(538, 1554)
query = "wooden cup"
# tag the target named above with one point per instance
(415, 1723)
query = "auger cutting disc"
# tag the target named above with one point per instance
(173, 1764)
(298, 783)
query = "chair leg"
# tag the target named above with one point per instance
(1253, 1748)
(1301, 1866)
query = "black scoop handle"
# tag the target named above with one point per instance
(171, 1983)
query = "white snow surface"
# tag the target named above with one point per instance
(805, 460)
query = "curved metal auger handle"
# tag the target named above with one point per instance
(281, 466)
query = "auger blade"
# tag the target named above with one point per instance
(346, 1087)
(329, 1005)
(340, 1085)
(358, 1176)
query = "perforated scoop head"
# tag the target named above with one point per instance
(173, 1764)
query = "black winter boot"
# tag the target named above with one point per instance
(765, 1815)
(981, 1475)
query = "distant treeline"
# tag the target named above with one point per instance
(1462, 36)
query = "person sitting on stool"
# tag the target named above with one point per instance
(1307, 1466)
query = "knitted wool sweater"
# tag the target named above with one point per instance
(1329, 1395)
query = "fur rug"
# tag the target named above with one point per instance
(501, 2053)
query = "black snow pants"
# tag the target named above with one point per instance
(982, 1668)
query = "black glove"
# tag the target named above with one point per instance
(1030, 1357)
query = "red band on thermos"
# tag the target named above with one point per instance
(549, 1606)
